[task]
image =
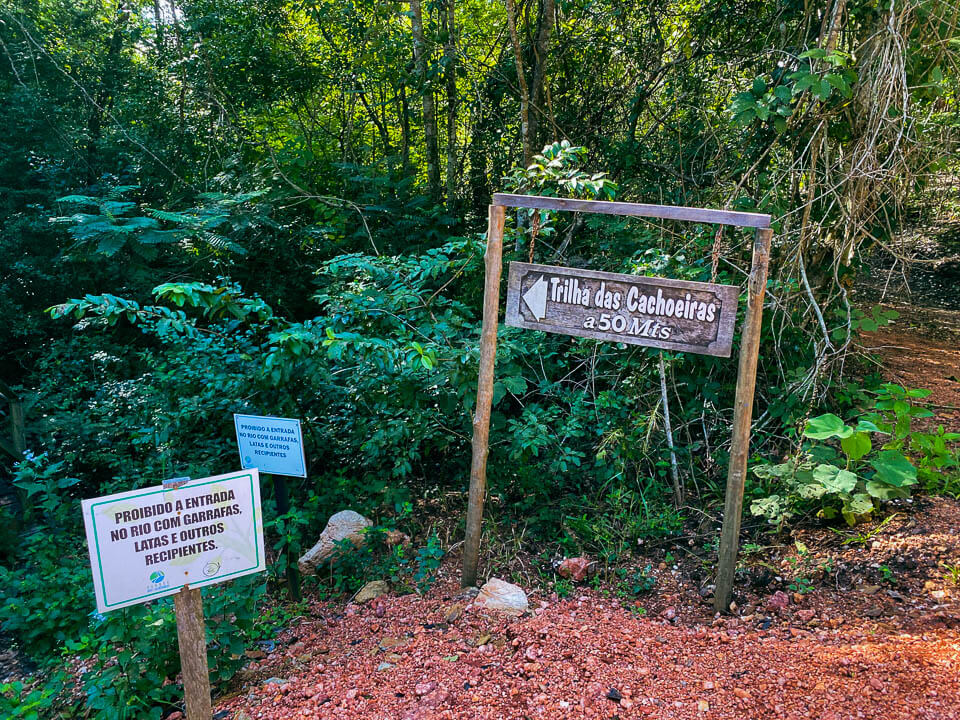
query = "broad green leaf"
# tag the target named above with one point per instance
(811, 491)
(827, 426)
(839, 83)
(515, 384)
(766, 472)
(867, 426)
(893, 468)
(857, 445)
(834, 479)
(805, 80)
(770, 507)
(824, 454)
(860, 504)
(882, 491)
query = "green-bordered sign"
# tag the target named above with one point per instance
(145, 544)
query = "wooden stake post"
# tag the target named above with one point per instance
(142, 548)
(746, 377)
(742, 415)
(192, 636)
(192, 639)
(493, 261)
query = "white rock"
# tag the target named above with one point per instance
(344, 525)
(502, 596)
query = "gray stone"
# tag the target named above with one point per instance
(502, 596)
(344, 525)
(370, 591)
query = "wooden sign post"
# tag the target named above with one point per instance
(656, 312)
(668, 314)
(742, 415)
(171, 540)
(493, 261)
(192, 636)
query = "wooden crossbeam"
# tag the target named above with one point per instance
(665, 212)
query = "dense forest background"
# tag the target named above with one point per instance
(276, 207)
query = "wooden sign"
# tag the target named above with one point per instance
(628, 309)
(677, 315)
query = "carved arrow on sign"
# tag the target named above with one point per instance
(536, 299)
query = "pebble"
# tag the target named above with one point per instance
(425, 688)
(778, 601)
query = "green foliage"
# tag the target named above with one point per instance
(135, 649)
(35, 702)
(236, 213)
(824, 76)
(112, 227)
(428, 562)
(952, 573)
(872, 467)
(557, 171)
(638, 581)
(45, 597)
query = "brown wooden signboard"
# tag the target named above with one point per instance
(677, 315)
(608, 306)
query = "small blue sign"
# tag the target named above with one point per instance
(271, 444)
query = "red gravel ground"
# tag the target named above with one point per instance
(569, 657)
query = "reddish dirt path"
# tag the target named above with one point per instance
(877, 638)
(564, 661)
(863, 643)
(921, 349)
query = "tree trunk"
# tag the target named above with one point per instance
(429, 108)
(450, 70)
(377, 122)
(104, 98)
(477, 173)
(182, 97)
(404, 129)
(158, 19)
(522, 82)
(540, 50)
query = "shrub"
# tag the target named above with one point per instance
(840, 469)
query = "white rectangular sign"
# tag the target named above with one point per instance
(271, 444)
(145, 544)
